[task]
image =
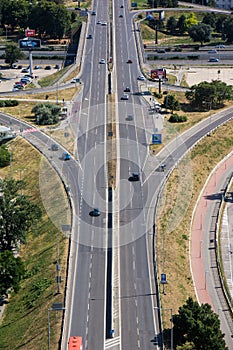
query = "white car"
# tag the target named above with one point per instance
(102, 61)
(98, 22)
(125, 97)
(75, 80)
(141, 77)
(104, 23)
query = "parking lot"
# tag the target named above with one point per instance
(12, 76)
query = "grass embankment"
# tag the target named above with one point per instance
(25, 321)
(203, 159)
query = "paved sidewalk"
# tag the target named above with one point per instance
(209, 194)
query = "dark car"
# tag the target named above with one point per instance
(121, 16)
(129, 61)
(18, 86)
(93, 13)
(89, 36)
(161, 51)
(127, 89)
(28, 76)
(95, 212)
(57, 66)
(122, 6)
(134, 177)
(25, 70)
(54, 147)
(48, 67)
(129, 118)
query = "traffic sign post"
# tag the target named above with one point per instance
(156, 139)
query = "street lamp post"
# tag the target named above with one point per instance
(171, 323)
(156, 32)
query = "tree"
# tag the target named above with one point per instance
(13, 54)
(200, 32)
(171, 24)
(227, 29)
(171, 103)
(11, 272)
(46, 113)
(15, 13)
(4, 156)
(210, 18)
(199, 325)
(209, 95)
(50, 19)
(190, 21)
(17, 214)
(187, 346)
(181, 24)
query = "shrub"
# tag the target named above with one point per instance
(157, 95)
(175, 118)
(9, 103)
(4, 157)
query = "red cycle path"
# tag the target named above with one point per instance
(198, 271)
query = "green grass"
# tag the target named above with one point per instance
(53, 78)
(24, 325)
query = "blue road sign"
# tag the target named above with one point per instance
(156, 139)
(163, 278)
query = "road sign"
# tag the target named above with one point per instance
(30, 32)
(163, 278)
(29, 44)
(156, 139)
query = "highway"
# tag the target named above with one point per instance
(137, 290)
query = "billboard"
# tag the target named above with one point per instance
(29, 44)
(30, 32)
(159, 73)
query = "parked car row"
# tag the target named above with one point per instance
(19, 85)
(27, 69)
